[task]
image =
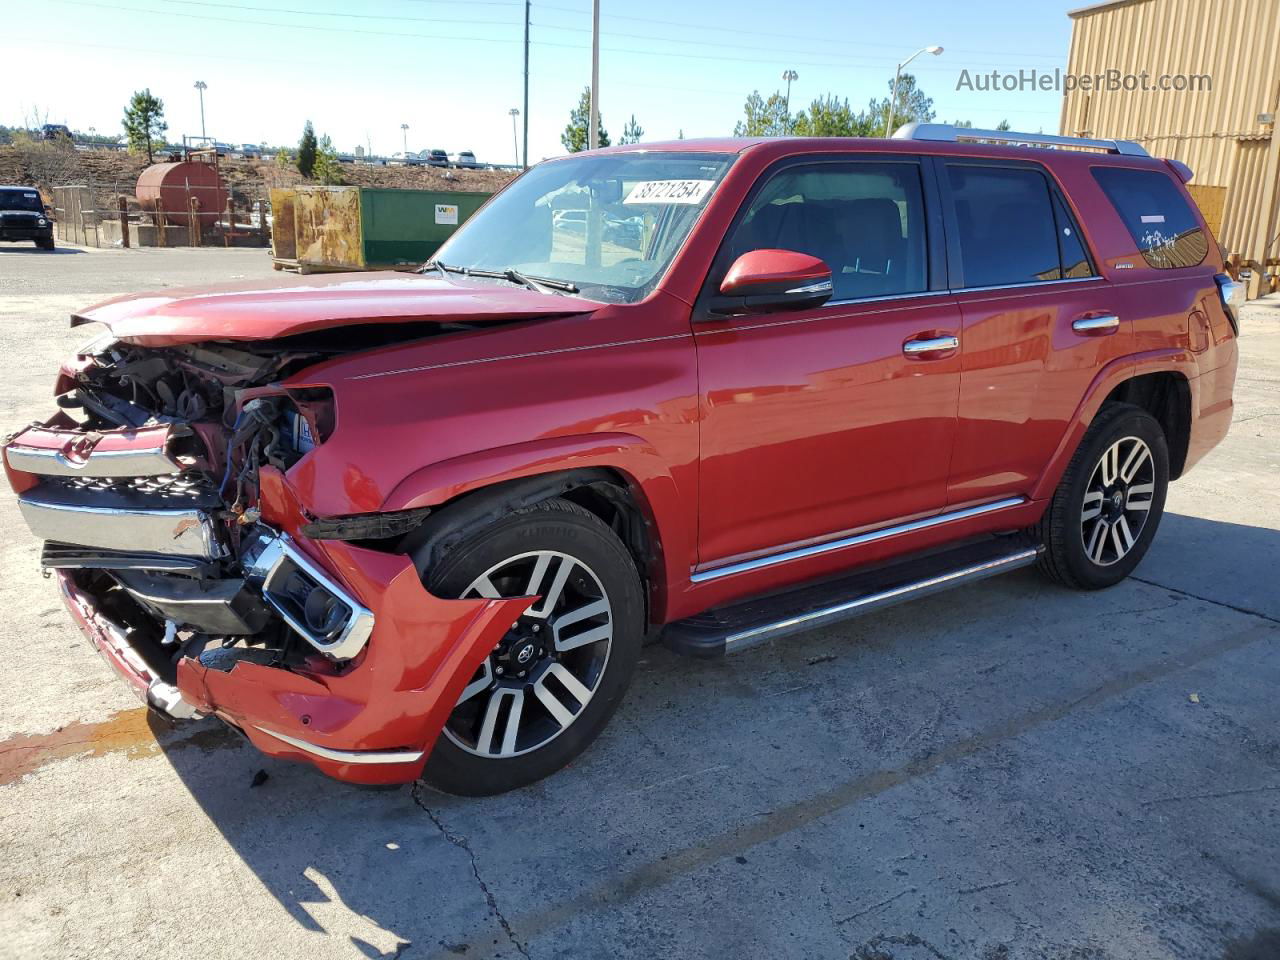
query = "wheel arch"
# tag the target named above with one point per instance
(1163, 377)
(1166, 395)
(612, 493)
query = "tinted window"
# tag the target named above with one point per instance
(1005, 225)
(1156, 215)
(1075, 262)
(865, 221)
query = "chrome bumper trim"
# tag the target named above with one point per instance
(182, 532)
(153, 462)
(870, 536)
(346, 756)
(276, 559)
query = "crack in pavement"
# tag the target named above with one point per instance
(802, 813)
(461, 842)
(1216, 603)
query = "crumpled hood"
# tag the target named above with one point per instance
(285, 305)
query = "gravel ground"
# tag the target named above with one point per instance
(1008, 771)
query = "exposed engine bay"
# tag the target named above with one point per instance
(146, 487)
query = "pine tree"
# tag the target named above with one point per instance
(307, 151)
(632, 132)
(575, 134)
(144, 123)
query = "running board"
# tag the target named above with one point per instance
(741, 626)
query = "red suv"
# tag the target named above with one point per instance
(421, 524)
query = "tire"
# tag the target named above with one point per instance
(1122, 468)
(478, 757)
(45, 244)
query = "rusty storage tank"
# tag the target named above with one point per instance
(171, 187)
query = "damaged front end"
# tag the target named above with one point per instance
(160, 489)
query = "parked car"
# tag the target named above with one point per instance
(250, 150)
(467, 160)
(23, 217)
(430, 536)
(436, 158)
(55, 131)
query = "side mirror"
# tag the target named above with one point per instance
(761, 281)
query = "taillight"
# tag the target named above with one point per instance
(1233, 294)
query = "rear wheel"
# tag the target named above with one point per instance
(1105, 512)
(553, 681)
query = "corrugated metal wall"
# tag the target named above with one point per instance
(1216, 132)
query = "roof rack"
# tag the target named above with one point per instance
(948, 133)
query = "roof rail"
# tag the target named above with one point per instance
(948, 133)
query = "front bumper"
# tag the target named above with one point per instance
(374, 720)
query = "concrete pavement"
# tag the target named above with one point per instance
(1008, 771)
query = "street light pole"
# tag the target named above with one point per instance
(788, 75)
(404, 132)
(515, 140)
(201, 87)
(893, 98)
(593, 125)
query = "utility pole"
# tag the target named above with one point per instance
(593, 125)
(201, 87)
(788, 75)
(515, 137)
(525, 154)
(404, 131)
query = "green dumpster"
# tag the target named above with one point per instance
(364, 228)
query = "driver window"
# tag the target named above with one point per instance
(865, 220)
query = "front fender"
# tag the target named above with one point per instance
(639, 464)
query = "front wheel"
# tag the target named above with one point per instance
(1105, 512)
(553, 681)
(45, 244)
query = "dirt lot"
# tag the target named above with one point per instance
(1009, 771)
(112, 173)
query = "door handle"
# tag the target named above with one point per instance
(1097, 326)
(919, 348)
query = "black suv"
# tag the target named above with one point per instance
(23, 217)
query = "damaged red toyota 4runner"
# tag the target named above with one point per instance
(419, 525)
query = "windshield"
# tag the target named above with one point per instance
(21, 200)
(608, 224)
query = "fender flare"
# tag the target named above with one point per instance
(1115, 373)
(472, 486)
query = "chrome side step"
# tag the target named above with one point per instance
(742, 626)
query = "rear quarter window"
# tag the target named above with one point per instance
(1157, 216)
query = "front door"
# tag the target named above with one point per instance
(819, 422)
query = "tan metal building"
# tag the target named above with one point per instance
(1224, 127)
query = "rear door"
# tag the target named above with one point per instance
(1038, 322)
(817, 422)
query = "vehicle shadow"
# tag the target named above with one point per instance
(703, 749)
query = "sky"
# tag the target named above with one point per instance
(452, 69)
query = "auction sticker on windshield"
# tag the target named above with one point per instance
(669, 191)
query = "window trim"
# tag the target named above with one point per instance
(934, 247)
(955, 265)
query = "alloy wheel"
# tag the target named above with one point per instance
(544, 671)
(1117, 501)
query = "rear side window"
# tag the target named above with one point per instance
(1156, 215)
(1006, 227)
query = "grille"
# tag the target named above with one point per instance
(177, 487)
